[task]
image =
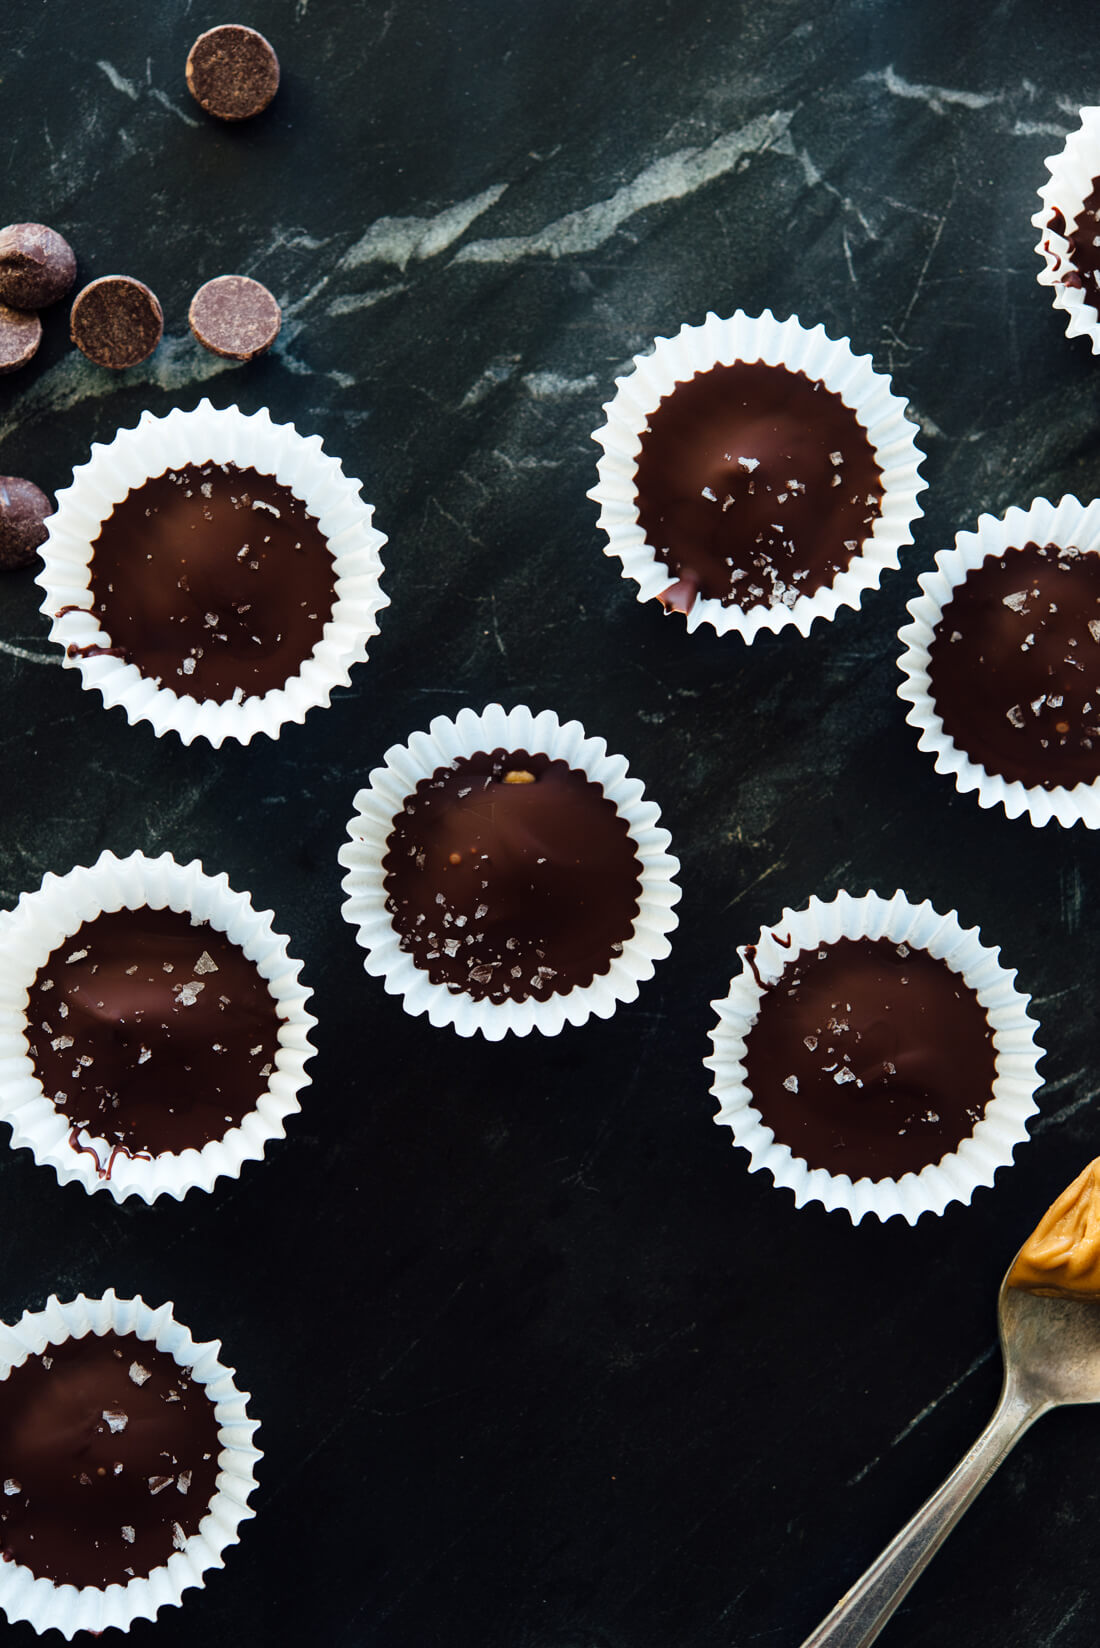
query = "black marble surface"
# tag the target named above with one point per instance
(538, 1363)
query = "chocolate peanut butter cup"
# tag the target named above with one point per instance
(1002, 662)
(158, 1034)
(875, 1056)
(1068, 221)
(127, 1461)
(755, 475)
(505, 874)
(230, 579)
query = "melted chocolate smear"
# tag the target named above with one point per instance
(108, 1460)
(1084, 247)
(1015, 665)
(215, 580)
(510, 889)
(757, 484)
(151, 1033)
(869, 1058)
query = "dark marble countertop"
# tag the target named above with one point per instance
(538, 1363)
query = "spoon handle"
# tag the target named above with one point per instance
(860, 1615)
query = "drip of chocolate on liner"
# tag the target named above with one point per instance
(102, 1172)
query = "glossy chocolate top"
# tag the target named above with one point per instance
(108, 1460)
(756, 485)
(1015, 665)
(510, 875)
(214, 580)
(870, 1059)
(151, 1033)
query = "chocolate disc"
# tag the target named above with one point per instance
(150, 1032)
(214, 580)
(37, 265)
(23, 511)
(755, 485)
(1014, 665)
(235, 317)
(232, 72)
(20, 335)
(110, 1460)
(870, 1058)
(116, 321)
(511, 875)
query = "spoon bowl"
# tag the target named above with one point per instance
(1051, 1351)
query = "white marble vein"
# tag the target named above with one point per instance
(30, 657)
(118, 81)
(938, 98)
(551, 386)
(400, 240)
(907, 1430)
(178, 362)
(670, 178)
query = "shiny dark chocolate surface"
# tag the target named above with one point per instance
(510, 875)
(756, 484)
(1015, 665)
(151, 1033)
(108, 1460)
(870, 1058)
(214, 580)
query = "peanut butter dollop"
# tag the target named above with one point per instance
(1061, 1258)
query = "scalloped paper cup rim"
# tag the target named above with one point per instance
(1003, 1126)
(377, 806)
(721, 342)
(37, 1601)
(1066, 523)
(205, 435)
(1073, 171)
(44, 919)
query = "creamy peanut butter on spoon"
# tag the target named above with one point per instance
(1061, 1258)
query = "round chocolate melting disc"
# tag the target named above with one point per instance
(20, 335)
(116, 321)
(232, 72)
(37, 265)
(23, 511)
(235, 317)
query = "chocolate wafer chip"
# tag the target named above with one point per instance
(37, 265)
(20, 335)
(235, 317)
(232, 72)
(23, 509)
(116, 321)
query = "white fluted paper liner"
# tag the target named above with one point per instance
(69, 1608)
(1073, 173)
(222, 436)
(378, 805)
(44, 919)
(721, 342)
(1004, 1125)
(1067, 523)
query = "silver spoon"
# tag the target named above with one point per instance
(1051, 1350)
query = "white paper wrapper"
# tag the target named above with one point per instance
(1072, 175)
(519, 729)
(1066, 523)
(777, 343)
(43, 920)
(68, 1608)
(977, 1159)
(223, 436)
